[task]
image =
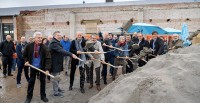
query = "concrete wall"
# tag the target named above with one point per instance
(48, 21)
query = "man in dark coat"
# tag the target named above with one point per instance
(142, 44)
(77, 46)
(7, 49)
(38, 55)
(20, 62)
(108, 55)
(135, 38)
(157, 44)
(57, 53)
(129, 66)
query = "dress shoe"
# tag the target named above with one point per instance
(10, 74)
(70, 88)
(98, 88)
(91, 86)
(4, 76)
(44, 99)
(59, 95)
(113, 79)
(19, 86)
(61, 91)
(105, 82)
(82, 90)
(28, 101)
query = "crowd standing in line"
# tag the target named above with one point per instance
(58, 53)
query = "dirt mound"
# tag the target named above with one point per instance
(170, 78)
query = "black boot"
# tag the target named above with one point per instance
(82, 90)
(98, 88)
(28, 100)
(91, 86)
(44, 99)
(105, 82)
(70, 88)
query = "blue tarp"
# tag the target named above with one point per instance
(185, 34)
(172, 31)
(145, 28)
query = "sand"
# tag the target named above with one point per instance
(170, 78)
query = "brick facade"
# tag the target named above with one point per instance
(113, 17)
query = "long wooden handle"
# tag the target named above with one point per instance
(79, 59)
(143, 60)
(125, 58)
(92, 52)
(113, 47)
(39, 70)
(105, 63)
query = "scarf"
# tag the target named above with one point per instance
(79, 48)
(121, 44)
(36, 50)
(23, 46)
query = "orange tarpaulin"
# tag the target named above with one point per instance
(166, 37)
(87, 36)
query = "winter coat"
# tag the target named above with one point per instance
(74, 51)
(7, 48)
(66, 44)
(142, 44)
(57, 53)
(121, 53)
(159, 46)
(20, 49)
(43, 52)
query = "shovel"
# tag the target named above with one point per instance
(107, 63)
(115, 48)
(92, 52)
(54, 77)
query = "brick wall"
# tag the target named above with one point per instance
(48, 21)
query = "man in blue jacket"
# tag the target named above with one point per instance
(66, 43)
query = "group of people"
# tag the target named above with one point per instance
(56, 52)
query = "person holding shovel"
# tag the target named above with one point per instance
(57, 53)
(38, 55)
(121, 61)
(76, 47)
(95, 46)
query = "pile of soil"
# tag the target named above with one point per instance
(170, 78)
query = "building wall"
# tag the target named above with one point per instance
(48, 21)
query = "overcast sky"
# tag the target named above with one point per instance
(23, 3)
